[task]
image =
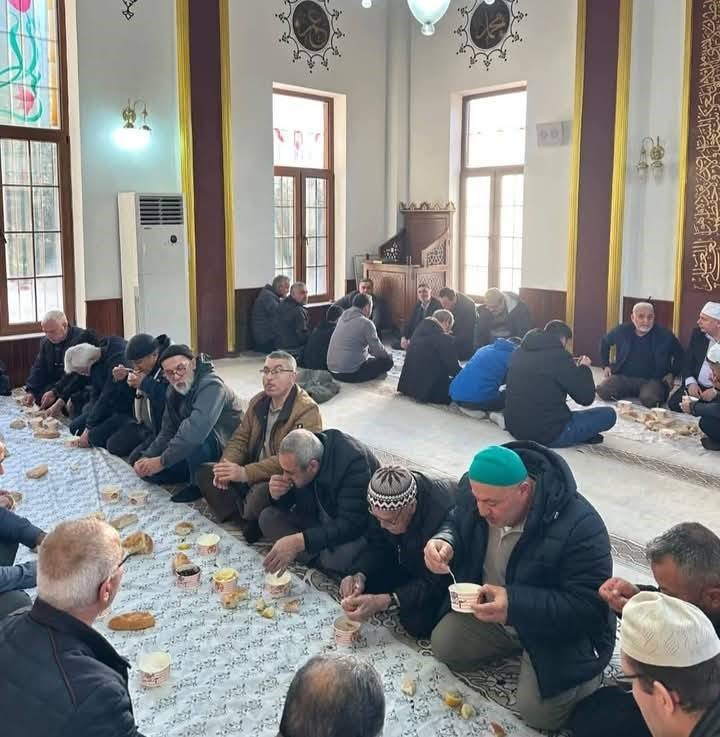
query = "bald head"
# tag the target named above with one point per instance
(74, 561)
(334, 696)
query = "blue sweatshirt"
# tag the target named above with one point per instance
(484, 374)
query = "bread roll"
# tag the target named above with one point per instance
(44, 433)
(123, 521)
(138, 542)
(180, 560)
(132, 621)
(38, 472)
(17, 424)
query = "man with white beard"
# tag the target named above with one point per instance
(201, 413)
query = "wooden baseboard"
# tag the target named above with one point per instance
(18, 355)
(105, 316)
(663, 309)
(544, 304)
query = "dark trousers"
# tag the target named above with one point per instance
(608, 711)
(265, 348)
(185, 470)
(371, 369)
(493, 404)
(130, 437)
(584, 425)
(676, 398)
(99, 434)
(652, 392)
(711, 427)
(418, 621)
(11, 601)
(238, 500)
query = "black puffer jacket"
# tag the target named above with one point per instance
(553, 575)
(430, 364)
(540, 377)
(341, 488)
(385, 551)
(291, 326)
(107, 396)
(61, 678)
(316, 349)
(263, 314)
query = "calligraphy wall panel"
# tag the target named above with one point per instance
(701, 246)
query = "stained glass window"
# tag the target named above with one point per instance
(29, 66)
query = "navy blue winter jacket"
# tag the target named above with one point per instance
(666, 349)
(553, 574)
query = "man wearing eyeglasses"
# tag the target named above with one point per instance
(201, 413)
(237, 486)
(61, 676)
(407, 509)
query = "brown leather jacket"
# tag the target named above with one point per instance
(243, 448)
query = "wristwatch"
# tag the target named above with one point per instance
(395, 603)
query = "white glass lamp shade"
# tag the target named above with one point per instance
(428, 13)
(131, 138)
(367, 3)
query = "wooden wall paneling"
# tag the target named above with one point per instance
(105, 316)
(544, 304)
(18, 355)
(663, 310)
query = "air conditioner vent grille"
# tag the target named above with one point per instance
(161, 210)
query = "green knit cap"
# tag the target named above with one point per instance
(497, 466)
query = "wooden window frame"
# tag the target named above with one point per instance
(299, 176)
(495, 173)
(60, 136)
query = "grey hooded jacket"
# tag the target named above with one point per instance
(209, 407)
(354, 339)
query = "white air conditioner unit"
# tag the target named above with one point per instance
(154, 262)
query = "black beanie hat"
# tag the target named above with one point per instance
(178, 349)
(139, 346)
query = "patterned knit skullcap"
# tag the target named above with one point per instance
(391, 488)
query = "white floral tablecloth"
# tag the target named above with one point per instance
(231, 668)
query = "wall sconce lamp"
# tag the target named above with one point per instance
(130, 136)
(657, 153)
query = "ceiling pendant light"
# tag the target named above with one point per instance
(428, 13)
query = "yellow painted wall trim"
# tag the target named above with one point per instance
(226, 105)
(683, 166)
(617, 202)
(575, 161)
(182, 19)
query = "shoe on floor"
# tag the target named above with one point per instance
(250, 530)
(596, 440)
(188, 494)
(709, 443)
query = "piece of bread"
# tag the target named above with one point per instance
(123, 521)
(138, 542)
(231, 601)
(132, 622)
(183, 528)
(3, 452)
(38, 472)
(180, 560)
(17, 424)
(44, 433)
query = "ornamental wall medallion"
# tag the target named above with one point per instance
(487, 29)
(311, 30)
(128, 13)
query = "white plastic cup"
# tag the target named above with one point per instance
(463, 595)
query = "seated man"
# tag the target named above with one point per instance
(15, 530)
(426, 306)
(291, 324)
(379, 313)
(49, 366)
(503, 315)
(60, 676)
(708, 412)
(201, 413)
(430, 361)
(146, 378)
(334, 696)
(355, 353)
(685, 562)
(108, 405)
(477, 386)
(541, 375)
(697, 374)
(316, 349)
(672, 654)
(263, 313)
(407, 509)
(237, 486)
(648, 357)
(464, 312)
(540, 550)
(319, 502)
